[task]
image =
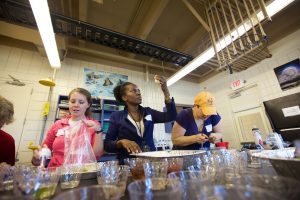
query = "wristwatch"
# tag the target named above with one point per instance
(98, 132)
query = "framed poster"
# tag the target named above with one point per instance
(101, 84)
(288, 75)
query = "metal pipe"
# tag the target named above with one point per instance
(242, 20)
(195, 13)
(211, 33)
(228, 28)
(259, 24)
(262, 6)
(235, 26)
(218, 37)
(223, 35)
(124, 58)
(251, 22)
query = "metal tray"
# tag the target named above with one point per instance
(169, 153)
(283, 161)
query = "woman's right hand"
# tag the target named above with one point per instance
(130, 146)
(200, 138)
(36, 155)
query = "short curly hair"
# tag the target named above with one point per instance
(6, 111)
(120, 91)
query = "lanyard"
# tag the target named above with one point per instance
(137, 123)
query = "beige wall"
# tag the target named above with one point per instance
(261, 74)
(29, 67)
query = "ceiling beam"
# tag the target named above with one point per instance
(156, 9)
(195, 13)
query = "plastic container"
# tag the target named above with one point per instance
(222, 144)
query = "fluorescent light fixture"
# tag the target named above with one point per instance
(43, 20)
(272, 9)
(196, 62)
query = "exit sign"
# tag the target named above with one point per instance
(237, 84)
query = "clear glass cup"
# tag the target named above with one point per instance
(190, 182)
(107, 174)
(26, 180)
(157, 172)
(148, 189)
(283, 186)
(116, 175)
(221, 192)
(95, 192)
(156, 169)
(136, 167)
(122, 179)
(48, 180)
(175, 164)
(6, 178)
(70, 176)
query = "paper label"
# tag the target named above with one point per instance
(148, 117)
(291, 111)
(208, 128)
(60, 132)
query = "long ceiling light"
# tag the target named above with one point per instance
(43, 20)
(272, 9)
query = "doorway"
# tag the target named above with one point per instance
(20, 97)
(248, 113)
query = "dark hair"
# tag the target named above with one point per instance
(120, 90)
(6, 111)
(88, 96)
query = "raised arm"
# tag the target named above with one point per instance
(169, 115)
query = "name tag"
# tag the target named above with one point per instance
(208, 128)
(148, 117)
(60, 132)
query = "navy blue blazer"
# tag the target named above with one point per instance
(121, 128)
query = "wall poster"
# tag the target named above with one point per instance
(101, 84)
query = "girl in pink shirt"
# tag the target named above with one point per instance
(80, 101)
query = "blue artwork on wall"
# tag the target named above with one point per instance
(101, 84)
(288, 75)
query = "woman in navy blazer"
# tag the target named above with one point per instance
(131, 130)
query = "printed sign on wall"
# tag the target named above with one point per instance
(101, 84)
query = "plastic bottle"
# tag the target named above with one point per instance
(45, 157)
(257, 138)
